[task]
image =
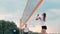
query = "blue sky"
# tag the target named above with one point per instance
(11, 10)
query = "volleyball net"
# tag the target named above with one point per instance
(29, 10)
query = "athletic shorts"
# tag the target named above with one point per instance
(25, 32)
(44, 27)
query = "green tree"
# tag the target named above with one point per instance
(7, 27)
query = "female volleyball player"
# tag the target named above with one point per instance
(42, 19)
(26, 29)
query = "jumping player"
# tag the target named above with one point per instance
(42, 19)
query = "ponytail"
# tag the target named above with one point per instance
(44, 16)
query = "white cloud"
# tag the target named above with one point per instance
(2, 9)
(54, 25)
(55, 11)
(54, 1)
(4, 15)
(53, 16)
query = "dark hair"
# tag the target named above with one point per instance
(37, 14)
(44, 16)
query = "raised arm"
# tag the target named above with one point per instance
(37, 17)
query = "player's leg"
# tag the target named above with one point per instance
(43, 31)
